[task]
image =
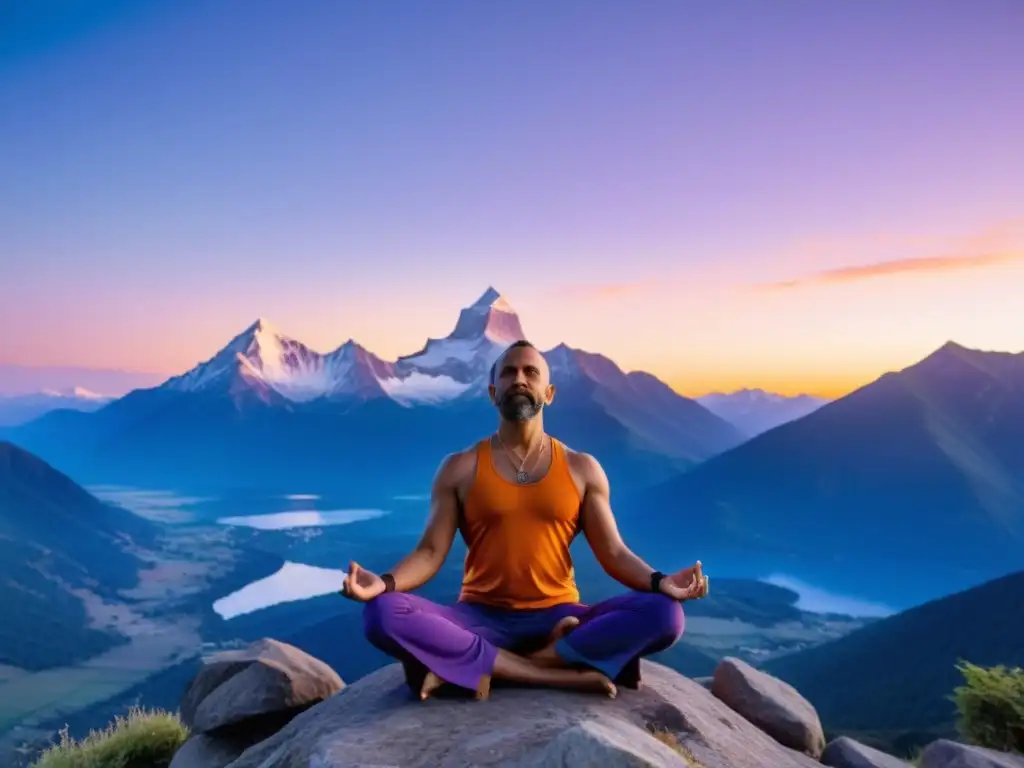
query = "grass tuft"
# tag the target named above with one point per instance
(669, 739)
(141, 739)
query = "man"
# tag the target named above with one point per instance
(519, 497)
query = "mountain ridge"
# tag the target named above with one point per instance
(896, 673)
(267, 389)
(929, 454)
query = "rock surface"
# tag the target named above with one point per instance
(202, 751)
(267, 678)
(950, 754)
(605, 742)
(242, 697)
(376, 722)
(844, 752)
(772, 705)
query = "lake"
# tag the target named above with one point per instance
(317, 536)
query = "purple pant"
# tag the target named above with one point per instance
(459, 643)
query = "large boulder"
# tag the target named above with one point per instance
(241, 697)
(951, 754)
(202, 751)
(772, 705)
(671, 721)
(844, 752)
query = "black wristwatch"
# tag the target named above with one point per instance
(656, 578)
(389, 582)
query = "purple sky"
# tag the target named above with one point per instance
(634, 177)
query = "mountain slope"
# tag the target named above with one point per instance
(267, 411)
(897, 673)
(482, 331)
(923, 465)
(754, 411)
(657, 418)
(58, 546)
(20, 409)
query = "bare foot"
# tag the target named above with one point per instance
(483, 688)
(563, 628)
(430, 684)
(598, 683)
(547, 656)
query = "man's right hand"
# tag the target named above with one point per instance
(362, 585)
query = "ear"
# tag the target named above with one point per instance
(550, 395)
(492, 392)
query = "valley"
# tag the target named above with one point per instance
(207, 551)
(223, 506)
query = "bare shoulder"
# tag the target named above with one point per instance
(457, 469)
(586, 469)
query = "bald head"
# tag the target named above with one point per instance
(521, 382)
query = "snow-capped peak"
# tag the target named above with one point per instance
(492, 299)
(264, 361)
(262, 356)
(483, 330)
(75, 393)
(490, 317)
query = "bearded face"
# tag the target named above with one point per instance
(518, 405)
(520, 387)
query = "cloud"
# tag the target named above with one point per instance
(927, 264)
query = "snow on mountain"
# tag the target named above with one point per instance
(262, 358)
(20, 409)
(754, 411)
(420, 388)
(263, 362)
(264, 365)
(465, 356)
(73, 393)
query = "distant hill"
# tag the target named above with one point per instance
(268, 411)
(924, 465)
(20, 409)
(754, 411)
(58, 546)
(897, 673)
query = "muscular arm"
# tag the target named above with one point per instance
(601, 531)
(423, 563)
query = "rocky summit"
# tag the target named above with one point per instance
(272, 705)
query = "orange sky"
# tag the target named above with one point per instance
(799, 200)
(788, 328)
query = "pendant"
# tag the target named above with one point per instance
(522, 477)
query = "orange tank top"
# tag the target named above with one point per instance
(518, 535)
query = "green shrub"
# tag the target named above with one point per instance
(143, 739)
(991, 705)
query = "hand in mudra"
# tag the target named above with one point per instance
(687, 584)
(361, 584)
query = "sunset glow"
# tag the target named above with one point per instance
(795, 198)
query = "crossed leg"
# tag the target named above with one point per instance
(457, 647)
(612, 635)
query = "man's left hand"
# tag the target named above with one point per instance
(687, 584)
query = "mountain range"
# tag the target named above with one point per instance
(754, 411)
(268, 411)
(23, 408)
(923, 466)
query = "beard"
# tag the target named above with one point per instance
(519, 406)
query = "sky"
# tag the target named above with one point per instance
(798, 196)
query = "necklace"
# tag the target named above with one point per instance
(521, 475)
